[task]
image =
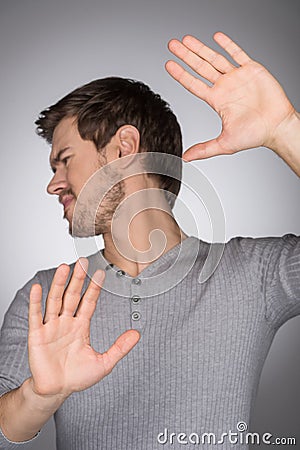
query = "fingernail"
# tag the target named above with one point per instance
(98, 276)
(83, 263)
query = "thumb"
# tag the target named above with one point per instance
(119, 349)
(207, 149)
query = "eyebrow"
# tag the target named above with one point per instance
(57, 158)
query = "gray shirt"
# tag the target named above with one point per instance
(197, 365)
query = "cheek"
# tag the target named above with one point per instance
(78, 175)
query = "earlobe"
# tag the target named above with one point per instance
(129, 140)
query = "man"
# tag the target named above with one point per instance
(197, 349)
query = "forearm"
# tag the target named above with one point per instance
(23, 413)
(286, 142)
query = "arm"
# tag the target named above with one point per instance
(58, 346)
(253, 107)
(24, 413)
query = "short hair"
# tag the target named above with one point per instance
(104, 105)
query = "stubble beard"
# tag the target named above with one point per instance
(92, 219)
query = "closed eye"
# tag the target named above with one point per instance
(58, 158)
(65, 160)
(57, 161)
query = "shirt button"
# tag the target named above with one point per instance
(135, 315)
(137, 281)
(120, 273)
(135, 299)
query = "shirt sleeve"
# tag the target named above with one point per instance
(282, 279)
(14, 367)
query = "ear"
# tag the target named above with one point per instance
(128, 140)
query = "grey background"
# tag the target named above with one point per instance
(49, 48)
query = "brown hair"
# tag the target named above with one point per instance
(102, 106)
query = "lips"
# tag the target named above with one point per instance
(66, 201)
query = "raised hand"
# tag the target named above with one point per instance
(61, 358)
(251, 103)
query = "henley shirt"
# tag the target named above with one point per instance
(197, 365)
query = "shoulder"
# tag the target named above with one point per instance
(256, 247)
(43, 277)
(245, 254)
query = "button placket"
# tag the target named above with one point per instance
(137, 319)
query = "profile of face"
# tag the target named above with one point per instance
(74, 162)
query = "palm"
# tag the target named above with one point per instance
(249, 100)
(61, 358)
(63, 350)
(243, 98)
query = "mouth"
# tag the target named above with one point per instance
(66, 201)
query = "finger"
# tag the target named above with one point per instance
(119, 349)
(73, 292)
(54, 299)
(197, 63)
(207, 149)
(89, 301)
(236, 52)
(215, 59)
(191, 83)
(35, 319)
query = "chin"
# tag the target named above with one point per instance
(83, 230)
(84, 223)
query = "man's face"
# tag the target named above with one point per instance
(74, 161)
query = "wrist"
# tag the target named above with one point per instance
(38, 401)
(286, 141)
(285, 133)
(23, 412)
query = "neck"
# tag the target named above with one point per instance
(139, 236)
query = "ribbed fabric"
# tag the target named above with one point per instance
(197, 365)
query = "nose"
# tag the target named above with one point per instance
(57, 183)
